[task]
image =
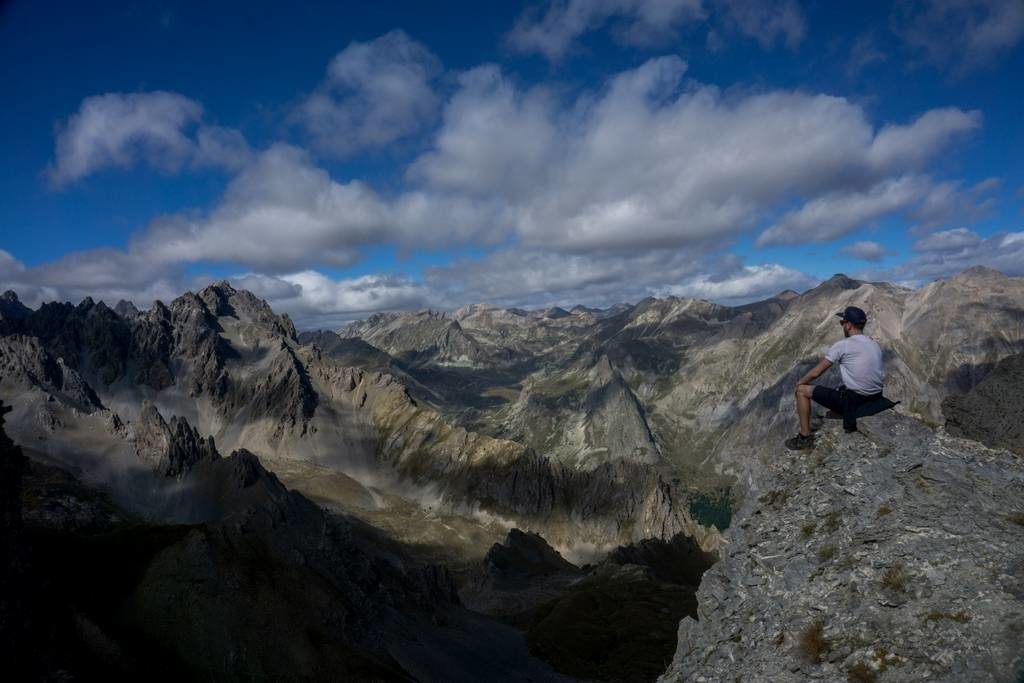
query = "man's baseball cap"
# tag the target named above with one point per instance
(854, 315)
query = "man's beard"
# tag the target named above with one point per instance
(846, 331)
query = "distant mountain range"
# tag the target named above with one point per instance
(685, 383)
(586, 425)
(363, 459)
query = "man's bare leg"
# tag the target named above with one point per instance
(803, 407)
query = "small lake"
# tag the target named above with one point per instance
(711, 508)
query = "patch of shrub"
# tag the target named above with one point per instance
(826, 553)
(775, 497)
(895, 578)
(813, 643)
(884, 510)
(1016, 517)
(960, 617)
(832, 521)
(861, 673)
(807, 530)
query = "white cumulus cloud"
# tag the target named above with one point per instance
(555, 31)
(743, 284)
(121, 130)
(961, 35)
(949, 252)
(865, 251)
(374, 94)
(833, 215)
(948, 240)
(282, 212)
(651, 162)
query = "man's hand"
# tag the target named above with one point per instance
(815, 372)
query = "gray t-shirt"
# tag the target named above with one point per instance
(860, 363)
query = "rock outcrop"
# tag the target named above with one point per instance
(895, 553)
(521, 560)
(993, 411)
(425, 337)
(172, 449)
(613, 621)
(25, 363)
(12, 311)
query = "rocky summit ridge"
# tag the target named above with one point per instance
(892, 554)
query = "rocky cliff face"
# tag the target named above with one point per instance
(12, 310)
(895, 553)
(613, 621)
(424, 337)
(173, 449)
(28, 366)
(993, 411)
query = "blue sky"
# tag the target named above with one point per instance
(342, 159)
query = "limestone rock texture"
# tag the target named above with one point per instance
(993, 411)
(892, 554)
(173, 448)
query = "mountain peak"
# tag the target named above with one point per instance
(844, 281)
(981, 273)
(836, 283)
(221, 286)
(556, 312)
(126, 309)
(12, 308)
(216, 297)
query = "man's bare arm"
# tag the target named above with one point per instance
(815, 372)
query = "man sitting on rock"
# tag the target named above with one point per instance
(860, 364)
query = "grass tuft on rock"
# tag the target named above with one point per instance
(960, 617)
(807, 530)
(861, 673)
(813, 643)
(895, 578)
(775, 498)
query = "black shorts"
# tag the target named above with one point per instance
(833, 398)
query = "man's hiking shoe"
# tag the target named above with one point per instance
(849, 431)
(800, 443)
